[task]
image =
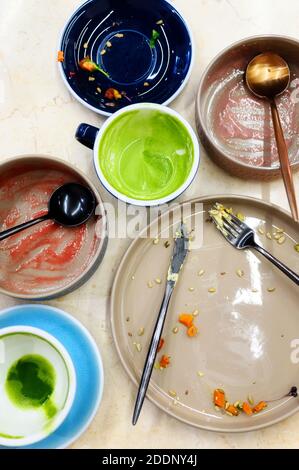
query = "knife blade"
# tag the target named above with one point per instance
(180, 250)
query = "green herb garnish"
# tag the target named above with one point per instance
(155, 36)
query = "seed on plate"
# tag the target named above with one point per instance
(281, 240)
(228, 413)
(271, 289)
(99, 90)
(240, 272)
(158, 280)
(250, 400)
(201, 272)
(269, 236)
(241, 216)
(150, 285)
(200, 374)
(212, 290)
(159, 22)
(138, 346)
(167, 244)
(157, 366)
(91, 79)
(108, 44)
(261, 231)
(223, 273)
(85, 45)
(156, 241)
(254, 290)
(191, 289)
(133, 278)
(146, 84)
(128, 319)
(172, 393)
(279, 230)
(186, 392)
(276, 235)
(175, 330)
(141, 331)
(119, 35)
(103, 51)
(297, 247)
(195, 313)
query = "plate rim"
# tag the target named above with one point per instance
(149, 396)
(106, 113)
(98, 356)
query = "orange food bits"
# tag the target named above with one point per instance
(161, 344)
(232, 410)
(219, 398)
(113, 94)
(192, 331)
(186, 319)
(247, 409)
(164, 362)
(60, 56)
(259, 407)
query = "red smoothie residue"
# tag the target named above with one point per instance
(47, 256)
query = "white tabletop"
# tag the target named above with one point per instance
(38, 115)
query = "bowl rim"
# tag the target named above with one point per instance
(202, 121)
(100, 252)
(165, 103)
(58, 346)
(152, 202)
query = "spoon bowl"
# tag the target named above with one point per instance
(268, 75)
(71, 205)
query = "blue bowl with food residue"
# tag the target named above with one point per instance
(114, 53)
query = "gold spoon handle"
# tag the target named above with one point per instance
(284, 161)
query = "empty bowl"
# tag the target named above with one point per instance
(37, 385)
(46, 260)
(236, 127)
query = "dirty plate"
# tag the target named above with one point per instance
(247, 317)
(144, 51)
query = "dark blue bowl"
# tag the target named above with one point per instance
(145, 48)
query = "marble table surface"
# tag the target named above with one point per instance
(38, 115)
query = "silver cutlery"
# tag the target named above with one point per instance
(242, 237)
(181, 246)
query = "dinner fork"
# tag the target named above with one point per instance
(238, 234)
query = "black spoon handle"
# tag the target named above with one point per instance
(12, 231)
(151, 355)
(291, 274)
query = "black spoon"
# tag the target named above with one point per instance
(70, 205)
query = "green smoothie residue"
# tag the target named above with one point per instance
(7, 436)
(146, 154)
(30, 383)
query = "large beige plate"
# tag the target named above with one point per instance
(246, 331)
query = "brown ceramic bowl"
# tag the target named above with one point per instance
(47, 260)
(234, 126)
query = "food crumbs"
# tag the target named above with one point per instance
(212, 290)
(141, 331)
(261, 231)
(281, 240)
(241, 216)
(128, 319)
(200, 273)
(158, 280)
(119, 35)
(108, 44)
(172, 393)
(167, 244)
(159, 22)
(60, 56)
(240, 272)
(191, 289)
(297, 247)
(85, 45)
(146, 84)
(271, 289)
(164, 362)
(138, 346)
(200, 374)
(103, 51)
(91, 79)
(269, 236)
(175, 330)
(156, 241)
(161, 344)
(150, 284)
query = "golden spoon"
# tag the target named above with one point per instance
(268, 76)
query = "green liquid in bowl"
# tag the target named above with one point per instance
(146, 154)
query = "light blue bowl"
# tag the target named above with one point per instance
(86, 359)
